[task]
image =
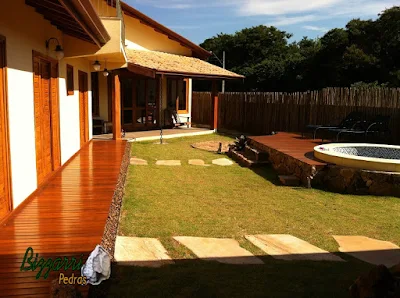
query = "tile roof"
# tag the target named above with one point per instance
(166, 63)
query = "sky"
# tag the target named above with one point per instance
(198, 20)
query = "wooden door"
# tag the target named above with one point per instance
(83, 107)
(47, 132)
(5, 193)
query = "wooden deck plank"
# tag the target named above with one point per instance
(66, 218)
(291, 144)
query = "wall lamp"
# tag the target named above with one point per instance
(58, 50)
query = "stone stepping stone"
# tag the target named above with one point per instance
(143, 252)
(290, 248)
(222, 162)
(168, 163)
(198, 162)
(369, 250)
(226, 251)
(138, 162)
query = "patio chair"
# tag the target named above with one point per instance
(173, 119)
(347, 123)
(379, 127)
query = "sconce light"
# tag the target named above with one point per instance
(96, 65)
(58, 50)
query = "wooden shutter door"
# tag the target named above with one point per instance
(5, 197)
(47, 131)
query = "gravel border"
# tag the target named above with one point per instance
(112, 223)
(111, 228)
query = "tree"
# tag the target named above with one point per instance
(364, 51)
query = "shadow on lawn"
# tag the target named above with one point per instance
(196, 278)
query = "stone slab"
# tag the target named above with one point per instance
(370, 250)
(222, 162)
(138, 162)
(222, 250)
(289, 180)
(197, 162)
(168, 163)
(143, 252)
(290, 248)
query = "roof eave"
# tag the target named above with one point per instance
(86, 15)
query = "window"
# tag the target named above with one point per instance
(178, 95)
(70, 80)
(95, 94)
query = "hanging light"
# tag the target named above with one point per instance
(58, 50)
(96, 65)
(105, 72)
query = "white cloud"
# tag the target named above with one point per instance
(315, 28)
(283, 21)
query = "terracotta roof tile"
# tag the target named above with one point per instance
(175, 64)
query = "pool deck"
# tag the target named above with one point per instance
(290, 154)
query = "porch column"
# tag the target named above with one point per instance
(214, 106)
(116, 107)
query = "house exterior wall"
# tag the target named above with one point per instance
(26, 31)
(140, 36)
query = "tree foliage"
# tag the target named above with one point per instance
(364, 52)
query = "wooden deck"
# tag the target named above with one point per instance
(291, 144)
(290, 154)
(66, 217)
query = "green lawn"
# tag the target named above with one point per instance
(215, 201)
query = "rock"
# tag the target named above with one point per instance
(138, 162)
(144, 252)
(168, 163)
(197, 162)
(377, 283)
(290, 248)
(222, 250)
(222, 162)
(369, 250)
(289, 180)
(347, 173)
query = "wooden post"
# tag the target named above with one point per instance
(214, 106)
(116, 108)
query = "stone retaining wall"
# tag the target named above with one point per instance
(285, 164)
(358, 181)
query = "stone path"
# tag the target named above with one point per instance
(288, 247)
(226, 251)
(138, 162)
(198, 162)
(370, 250)
(222, 162)
(149, 252)
(144, 252)
(168, 163)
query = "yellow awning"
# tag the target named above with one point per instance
(151, 63)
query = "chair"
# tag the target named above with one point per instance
(378, 127)
(348, 122)
(173, 119)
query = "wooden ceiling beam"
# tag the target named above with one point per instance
(48, 9)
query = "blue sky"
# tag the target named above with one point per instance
(201, 19)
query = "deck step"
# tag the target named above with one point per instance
(255, 154)
(289, 180)
(244, 161)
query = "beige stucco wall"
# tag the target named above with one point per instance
(141, 36)
(25, 30)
